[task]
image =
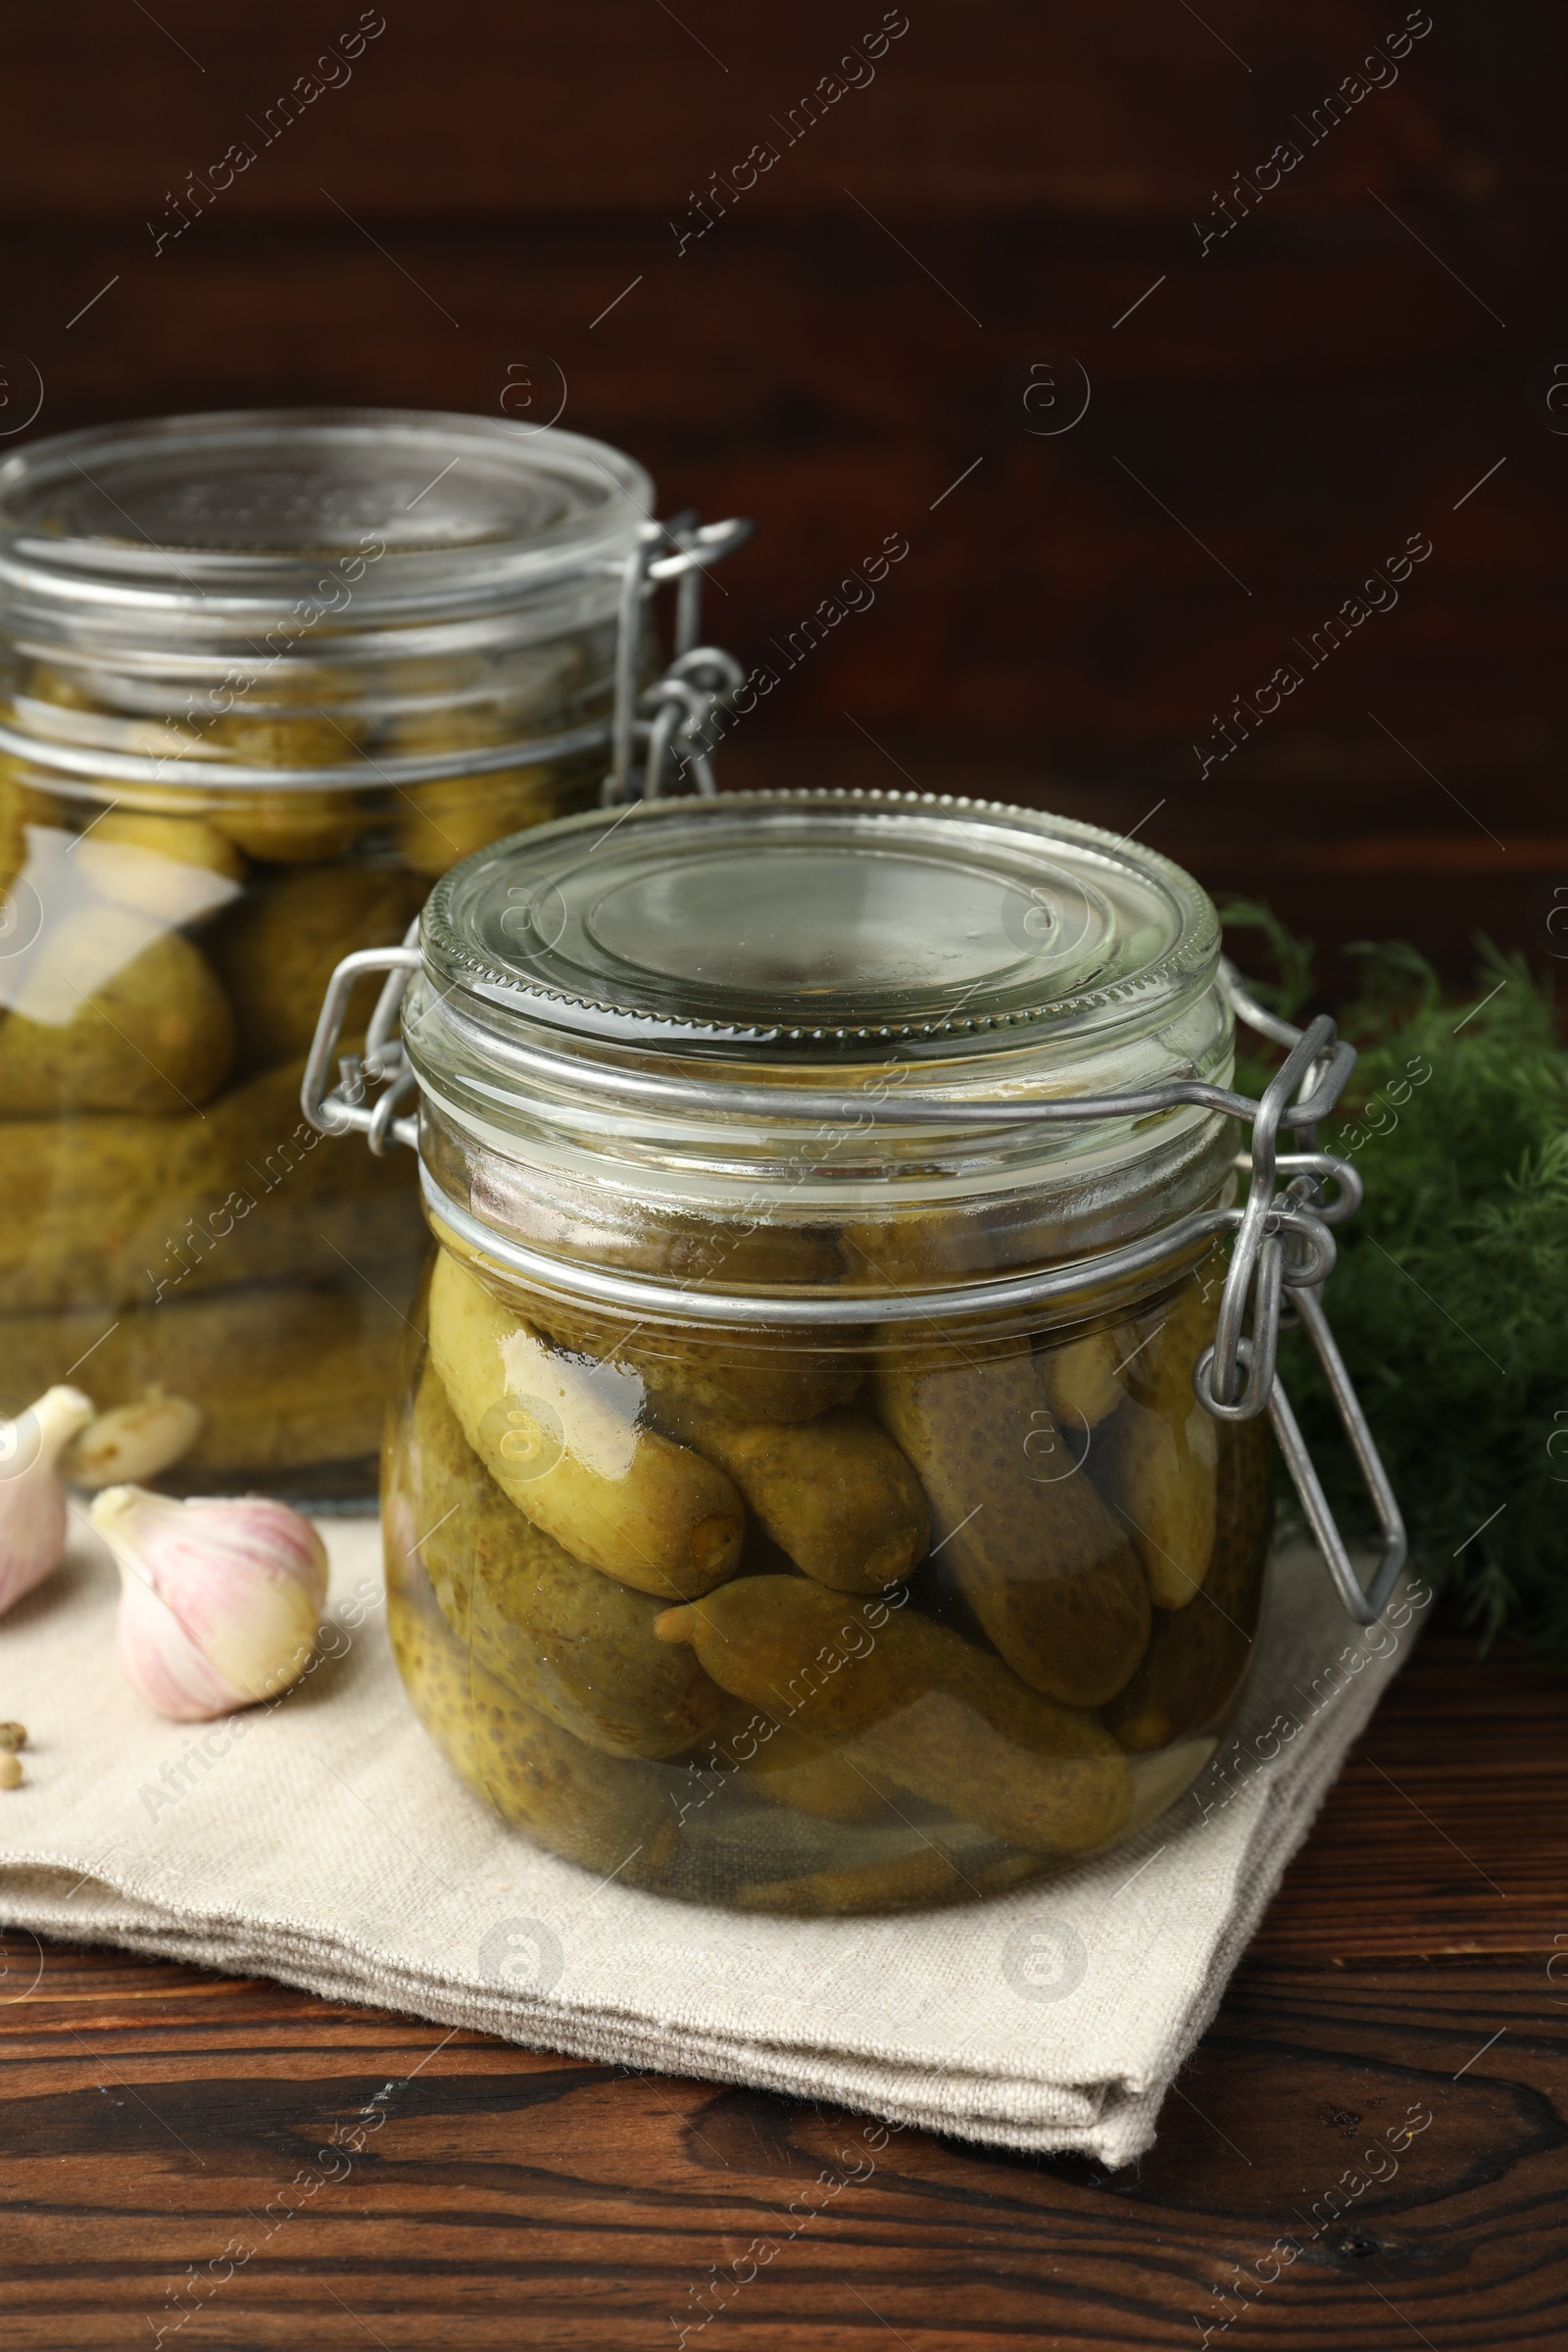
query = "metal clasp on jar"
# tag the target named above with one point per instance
(682, 709)
(1270, 1271)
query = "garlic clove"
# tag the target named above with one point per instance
(132, 1441)
(32, 1495)
(9, 1770)
(219, 1601)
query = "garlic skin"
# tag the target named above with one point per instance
(219, 1602)
(32, 1495)
(132, 1441)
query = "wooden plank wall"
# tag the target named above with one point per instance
(1272, 415)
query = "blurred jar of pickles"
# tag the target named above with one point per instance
(266, 676)
(746, 1537)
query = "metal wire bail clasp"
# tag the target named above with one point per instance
(1275, 1268)
(680, 712)
(341, 1108)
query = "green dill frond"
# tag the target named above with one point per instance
(1450, 1298)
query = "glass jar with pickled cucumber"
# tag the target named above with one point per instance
(262, 678)
(830, 1471)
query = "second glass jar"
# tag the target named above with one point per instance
(262, 678)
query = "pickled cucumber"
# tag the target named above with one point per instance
(13, 851)
(292, 826)
(178, 870)
(823, 1782)
(835, 1493)
(788, 1767)
(1162, 1450)
(927, 1875)
(1197, 1655)
(1084, 1375)
(560, 1439)
(113, 1014)
(284, 1376)
(277, 951)
(570, 1643)
(302, 736)
(692, 1371)
(611, 1817)
(452, 817)
(114, 1211)
(915, 1706)
(1036, 1553)
(912, 1246)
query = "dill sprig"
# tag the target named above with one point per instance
(1451, 1299)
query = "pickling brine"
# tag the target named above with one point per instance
(919, 1621)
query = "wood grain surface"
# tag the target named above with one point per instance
(179, 2148)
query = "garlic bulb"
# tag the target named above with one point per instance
(133, 1441)
(219, 1602)
(32, 1498)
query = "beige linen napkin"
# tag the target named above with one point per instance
(324, 1841)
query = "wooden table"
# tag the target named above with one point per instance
(158, 2123)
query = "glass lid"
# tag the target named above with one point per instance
(232, 503)
(819, 922)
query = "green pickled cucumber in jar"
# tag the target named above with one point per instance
(120, 1211)
(903, 1882)
(111, 1012)
(449, 817)
(277, 950)
(833, 1493)
(786, 1767)
(1085, 1375)
(310, 719)
(13, 848)
(568, 1640)
(563, 1440)
(609, 1815)
(1199, 1653)
(1036, 1553)
(915, 1706)
(1158, 1464)
(443, 818)
(741, 1378)
(283, 1375)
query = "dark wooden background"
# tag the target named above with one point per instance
(1335, 373)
